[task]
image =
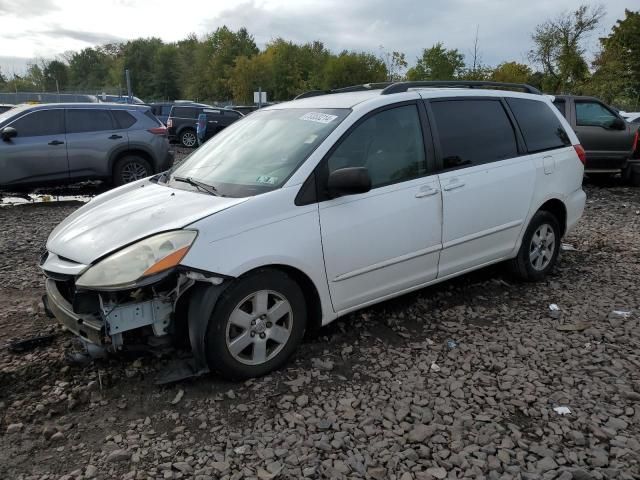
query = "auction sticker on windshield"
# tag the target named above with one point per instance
(267, 179)
(318, 117)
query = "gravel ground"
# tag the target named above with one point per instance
(457, 380)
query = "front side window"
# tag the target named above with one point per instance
(540, 127)
(593, 114)
(89, 120)
(473, 132)
(389, 144)
(260, 152)
(40, 123)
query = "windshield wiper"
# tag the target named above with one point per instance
(210, 189)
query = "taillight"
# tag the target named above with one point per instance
(158, 130)
(169, 122)
(635, 143)
(582, 155)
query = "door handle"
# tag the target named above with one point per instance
(56, 142)
(453, 186)
(115, 137)
(427, 192)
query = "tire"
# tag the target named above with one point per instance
(632, 176)
(527, 265)
(264, 338)
(188, 138)
(131, 168)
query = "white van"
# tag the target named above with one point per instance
(307, 210)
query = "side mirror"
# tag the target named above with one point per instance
(8, 133)
(618, 124)
(348, 181)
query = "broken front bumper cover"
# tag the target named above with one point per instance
(88, 327)
(113, 320)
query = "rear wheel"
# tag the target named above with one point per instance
(632, 175)
(131, 168)
(256, 325)
(540, 247)
(188, 138)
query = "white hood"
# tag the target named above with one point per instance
(129, 213)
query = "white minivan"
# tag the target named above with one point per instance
(304, 211)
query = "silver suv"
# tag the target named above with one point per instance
(69, 142)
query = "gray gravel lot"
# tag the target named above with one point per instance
(457, 380)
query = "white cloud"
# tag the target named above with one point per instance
(44, 28)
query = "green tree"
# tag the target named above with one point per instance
(617, 75)
(89, 68)
(437, 63)
(511, 72)
(351, 68)
(395, 63)
(56, 75)
(139, 57)
(559, 48)
(165, 73)
(215, 58)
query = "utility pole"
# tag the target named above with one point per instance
(128, 77)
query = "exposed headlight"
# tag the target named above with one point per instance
(127, 267)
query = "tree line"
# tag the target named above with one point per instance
(227, 65)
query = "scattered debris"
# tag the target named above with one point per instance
(622, 313)
(555, 310)
(562, 410)
(573, 327)
(435, 367)
(21, 346)
(567, 247)
(178, 397)
(451, 344)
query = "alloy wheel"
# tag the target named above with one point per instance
(542, 247)
(133, 171)
(259, 327)
(189, 139)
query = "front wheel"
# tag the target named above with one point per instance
(539, 249)
(256, 325)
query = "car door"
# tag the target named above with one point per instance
(597, 133)
(92, 136)
(214, 122)
(388, 240)
(486, 185)
(38, 153)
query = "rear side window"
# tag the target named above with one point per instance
(166, 110)
(473, 132)
(152, 118)
(561, 105)
(185, 112)
(388, 143)
(40, 123)
(539, 125)
(123, 118)
(89, 120)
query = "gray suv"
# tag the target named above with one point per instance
(70, 142)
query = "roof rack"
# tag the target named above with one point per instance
(397, 87)
(404, 86)
(354, 88)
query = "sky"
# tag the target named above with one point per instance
(31, 29)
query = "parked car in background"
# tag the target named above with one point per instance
(631, 117)
(69, 142)
(244, 109)
(311, 209)
(120, 99)
(5, 106)
(609, 141)
(182, 122)
(161, 110)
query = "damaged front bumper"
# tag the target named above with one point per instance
(108, 324)
(167, 309)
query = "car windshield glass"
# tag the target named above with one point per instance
(11, 112)
(260, 152)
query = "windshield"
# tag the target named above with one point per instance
(259, 152)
